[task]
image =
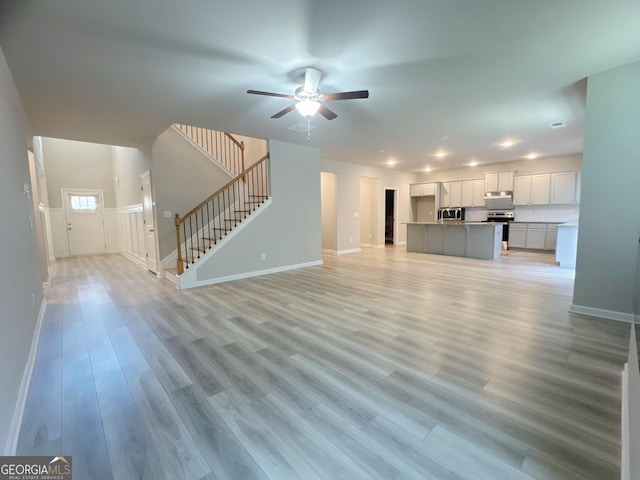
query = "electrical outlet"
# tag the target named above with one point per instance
(263, 256)
(167, 214)
(351, 240)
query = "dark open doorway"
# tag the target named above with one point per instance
(390, 216)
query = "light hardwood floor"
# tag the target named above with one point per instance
(379, 365)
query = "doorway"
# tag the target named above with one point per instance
(148, 218)
(84, 218)
(390, 215)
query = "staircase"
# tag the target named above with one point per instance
(207, 224)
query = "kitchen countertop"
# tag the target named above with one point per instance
(454, 223)
(543, 223)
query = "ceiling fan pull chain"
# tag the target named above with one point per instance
(308, 129)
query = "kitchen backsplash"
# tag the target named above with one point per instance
(547, 213)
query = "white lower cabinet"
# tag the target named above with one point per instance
(538, 236)
(552, 237)
(517, 235)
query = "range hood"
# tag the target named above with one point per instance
(498, 200)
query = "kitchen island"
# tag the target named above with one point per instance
(461, 239)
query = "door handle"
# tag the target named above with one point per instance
(151, 229)
(69, 228)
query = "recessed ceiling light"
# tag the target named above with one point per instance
(381, 150)
(507, 144)
(531, 156)
(440, 154)
(426, 169)
(391, 162)
(472, 163)
(444, 137)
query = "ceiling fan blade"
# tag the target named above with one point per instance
(326, 113)
(347, 95)
(269, 94)
(285, 111)
(311, 80)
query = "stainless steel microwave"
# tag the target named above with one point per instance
(451, 214)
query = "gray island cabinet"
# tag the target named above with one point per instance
(461, 239)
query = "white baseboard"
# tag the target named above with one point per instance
(401, 243)
(371, 245)
(345, 252)
(256, 273)
(624, 426)
(329, 251)
(601, 313)
(18, 413)
(137, 260)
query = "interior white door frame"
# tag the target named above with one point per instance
(82, 191)
(150, 223)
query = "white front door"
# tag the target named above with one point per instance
(84, 215)
(149, 222)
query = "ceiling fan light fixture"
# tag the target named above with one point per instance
(307, 108)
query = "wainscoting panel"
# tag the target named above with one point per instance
(131, 233)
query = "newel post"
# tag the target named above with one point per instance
(180, 264)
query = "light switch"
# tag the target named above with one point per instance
(167, 214)
(355, 214)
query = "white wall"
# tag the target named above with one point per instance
(20, 284)
(254, 149)
(288, 231)
(71, 164)
(348, 175)
(128, 164)
(369, 215)
(610, 201)
(329, 206)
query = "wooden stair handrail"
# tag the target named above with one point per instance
(231, 137)
(180, 220)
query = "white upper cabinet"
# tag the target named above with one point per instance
(455, 195)
(445, 194)
(563, 188)
(479, 190)
(522, 190)
(467, 193)
(540, 186)
(491, 181)
(499, 182)
(415, 189)
(423, 189)
(558, 188)
(531, 189)
(505, 181)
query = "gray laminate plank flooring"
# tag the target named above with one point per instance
(377, 365)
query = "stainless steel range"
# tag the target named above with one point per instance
(504, 217)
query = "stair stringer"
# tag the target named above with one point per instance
(189, 277)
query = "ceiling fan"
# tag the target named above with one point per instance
(309, 100)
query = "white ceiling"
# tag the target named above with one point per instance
(474, 71)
